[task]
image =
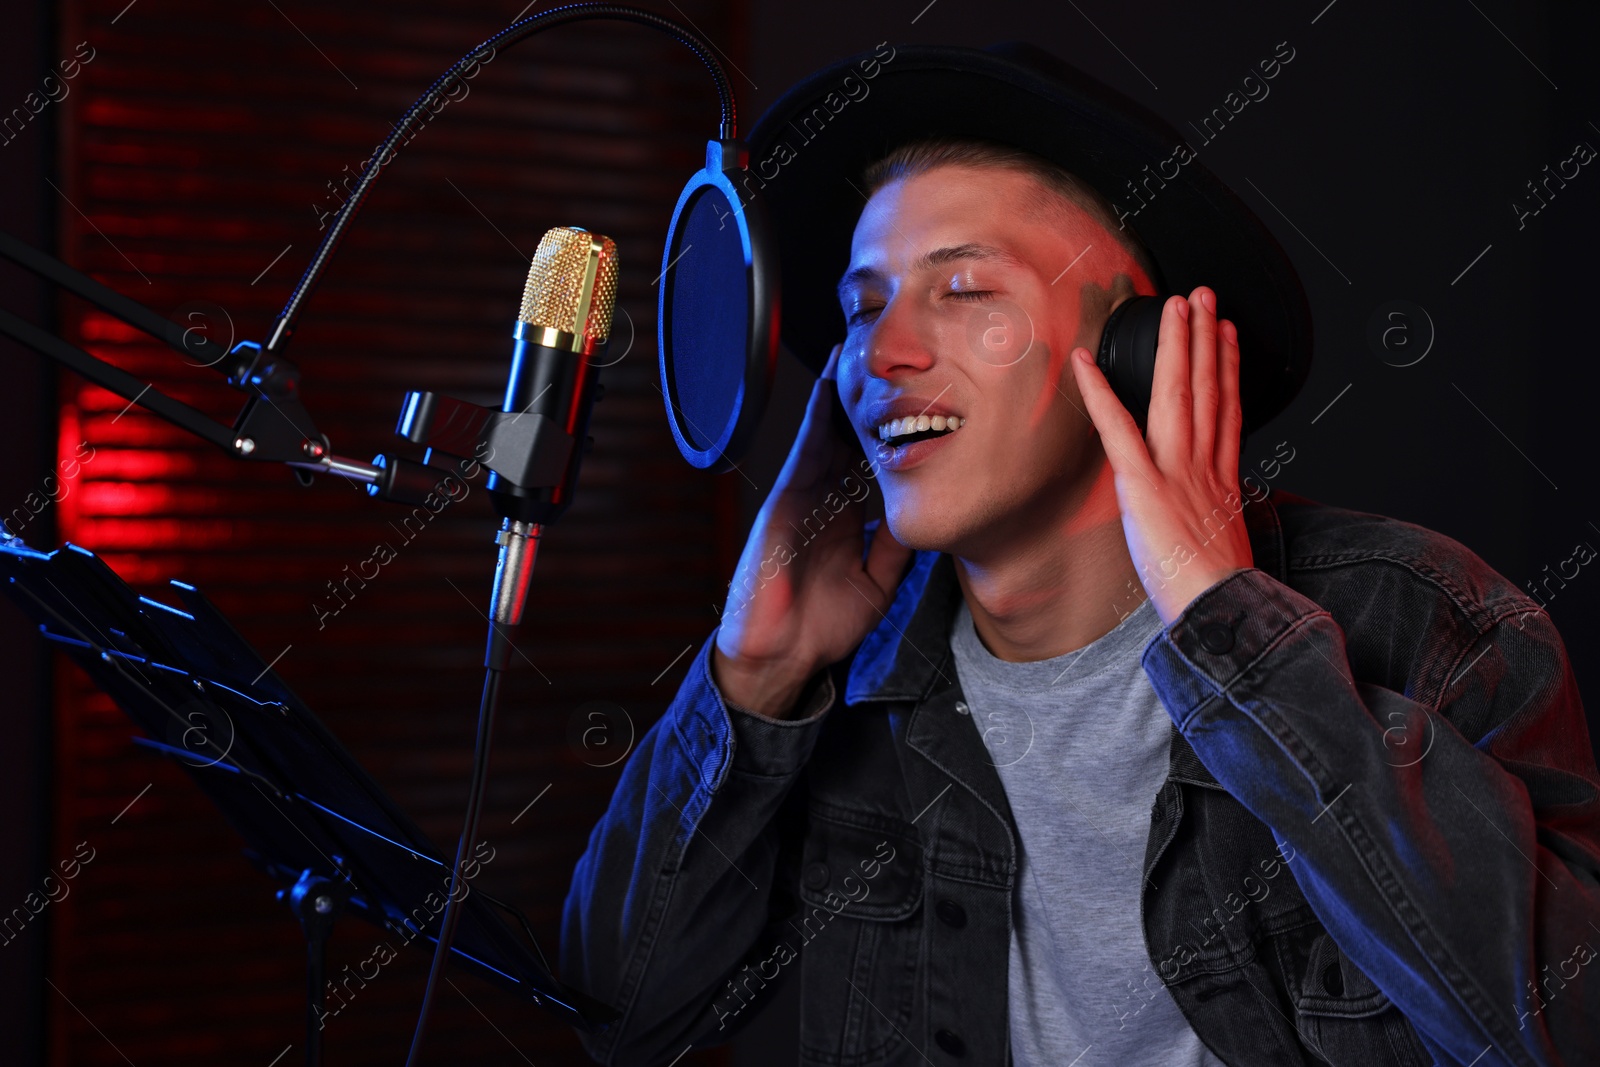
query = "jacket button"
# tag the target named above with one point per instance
(950, 1042)
(1333, 980)
(961, 708)
(1216, 638)
(951, 914)
(816, 875)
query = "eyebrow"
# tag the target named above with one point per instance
(936, 258)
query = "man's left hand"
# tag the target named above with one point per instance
(1178, 485)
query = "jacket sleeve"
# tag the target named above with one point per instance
(1452, 851)
(674, 890)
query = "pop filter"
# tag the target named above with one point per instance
(717, 314)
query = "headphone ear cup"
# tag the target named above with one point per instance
(1127, 355)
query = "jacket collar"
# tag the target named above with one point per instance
(907, 655)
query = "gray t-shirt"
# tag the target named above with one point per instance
(1081, 745)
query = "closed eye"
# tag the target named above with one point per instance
(856, 317)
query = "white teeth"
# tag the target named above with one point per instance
(917, 423)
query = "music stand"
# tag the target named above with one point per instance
(312, 818)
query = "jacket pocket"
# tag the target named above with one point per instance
(858, 933)
(1345, 1018)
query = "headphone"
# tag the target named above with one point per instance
(1127, 355)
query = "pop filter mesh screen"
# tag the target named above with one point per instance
(708, 315)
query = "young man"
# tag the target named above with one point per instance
(1084, 755)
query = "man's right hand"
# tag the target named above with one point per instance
(801, 597)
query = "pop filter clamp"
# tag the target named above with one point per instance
(273, 425)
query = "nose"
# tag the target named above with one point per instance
(896, 343)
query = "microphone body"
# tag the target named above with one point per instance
(562, 329)
(564, 325)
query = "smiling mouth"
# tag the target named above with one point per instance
(912, 428)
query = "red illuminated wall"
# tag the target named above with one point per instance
(200, 146)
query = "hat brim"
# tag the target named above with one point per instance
(808, 151)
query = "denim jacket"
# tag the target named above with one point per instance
(1378, 841)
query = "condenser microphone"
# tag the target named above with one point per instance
(560, 334)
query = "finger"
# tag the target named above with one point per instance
(843, 428)
(1119, 433)
(1170, 419)
(1203, 357)
(812, 451)
(830, 370)
(1230, 411)
(887, 559)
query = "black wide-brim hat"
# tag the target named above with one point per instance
(809, 149)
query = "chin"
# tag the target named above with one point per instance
(948, 516)
(924, 524)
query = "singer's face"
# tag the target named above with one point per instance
(963, 300)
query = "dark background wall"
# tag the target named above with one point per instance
(1386, 159)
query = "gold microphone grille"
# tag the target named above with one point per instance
(554, 296)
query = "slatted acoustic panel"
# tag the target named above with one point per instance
(202, 147)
